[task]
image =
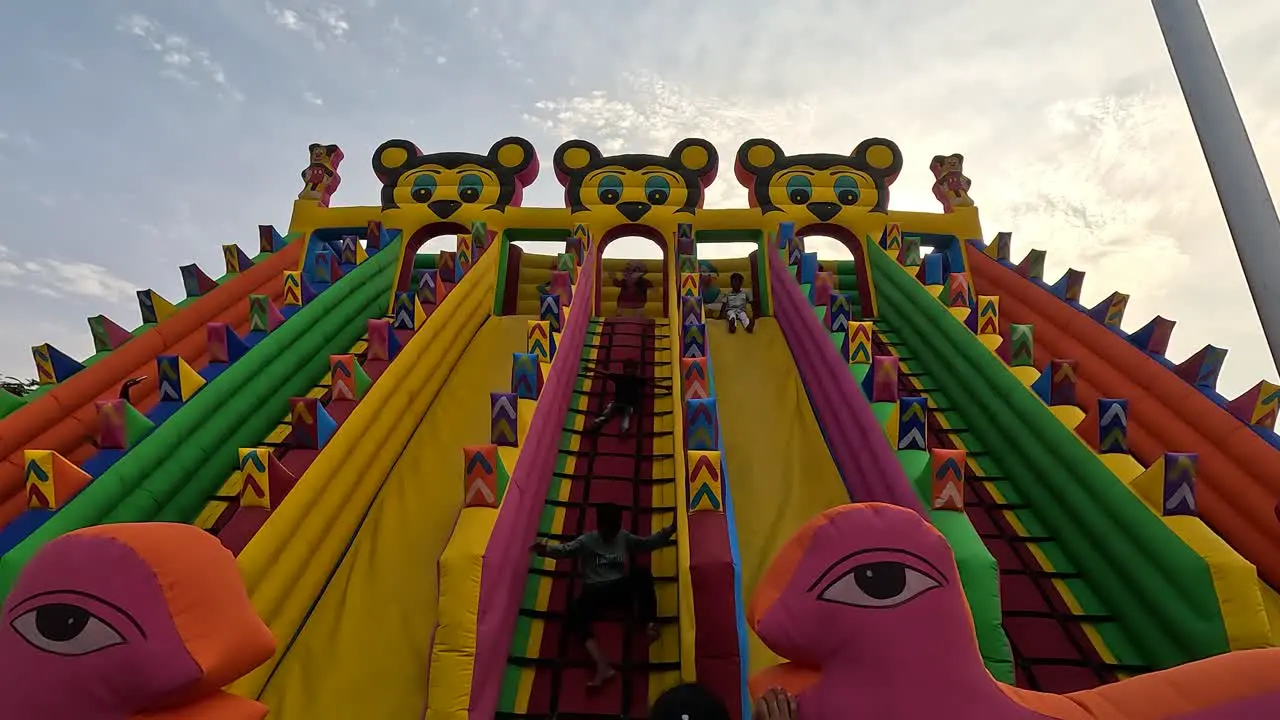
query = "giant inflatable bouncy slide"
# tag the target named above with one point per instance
(930, 484)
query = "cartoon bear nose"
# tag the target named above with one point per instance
(824, 211)
(444, 208)
(633, 211)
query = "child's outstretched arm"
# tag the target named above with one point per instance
(651, 542)
(553, 550)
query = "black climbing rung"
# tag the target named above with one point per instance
(951, 430)
(558, 615)
(647, 667)
(556, 502)
(559, 536)
(607, 453)
(1017, 538)
(632, 432)
(926, 391)
(566, 574)
(649, 413)
(223, 498)
(560, 715)
(1060, 617)
(1048, 574)
(607, 476)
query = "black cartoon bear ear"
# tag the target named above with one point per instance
(755, 158)
(516, 155)
(392, 158)
(698, 156)
(879, 157)
(573, 157)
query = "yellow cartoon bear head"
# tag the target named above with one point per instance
(636, 185)
(823, 184)
(446, 182)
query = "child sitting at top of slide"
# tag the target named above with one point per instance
(734, 304)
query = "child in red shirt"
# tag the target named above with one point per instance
(634, 293)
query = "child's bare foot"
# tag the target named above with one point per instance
(651, 630)
(603, 675)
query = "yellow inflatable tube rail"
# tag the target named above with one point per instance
(688, 626)
(287, 564)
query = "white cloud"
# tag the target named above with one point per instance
(60, 278)
(182, 60)
(1112, 183)
(326, 23)
(312, 98)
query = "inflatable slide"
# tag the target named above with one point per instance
(313, 488)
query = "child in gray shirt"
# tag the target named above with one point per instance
(605, 581)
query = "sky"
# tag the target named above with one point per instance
(137, 136)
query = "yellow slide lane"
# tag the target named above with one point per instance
(366, 648)
(780, 471)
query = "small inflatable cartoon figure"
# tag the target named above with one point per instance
(950, 185)
(143, 621)
(865, 601)
(321, 177)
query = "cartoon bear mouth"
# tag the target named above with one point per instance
(824, 211)
(444, 208)
(633, 211)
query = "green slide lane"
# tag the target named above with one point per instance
(169, 476)
(979, 573)
(1158, 588)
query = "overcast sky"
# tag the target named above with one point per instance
(137, 136)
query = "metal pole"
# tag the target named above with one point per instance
(1242, 190)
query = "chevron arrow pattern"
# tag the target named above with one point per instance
(705, 489)
(342, 377)
(503, 411)
(860, 343)
(913, 423)
(988, 315)
(1062, 382)
(948, 478)
(909, 254)
(693, 378)
(1022, 346)
(891, 239)
(167, 372)
(481, 481)
(1113, 426)
(1180, 484)
(693, 341)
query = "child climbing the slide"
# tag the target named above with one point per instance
(734, 305)
(634, 293)
(606, 582)
(628, 391)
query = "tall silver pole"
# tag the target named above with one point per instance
(1242, 190)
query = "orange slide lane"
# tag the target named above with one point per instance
(64, 418)
(1237, 482)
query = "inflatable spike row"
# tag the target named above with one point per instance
(264, 480)
(703, 468)
(346, 380)
(51, 480)
(1167, 486)
(1256, 407)
(54, 366)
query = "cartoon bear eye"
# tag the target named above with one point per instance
(879, 584)
(847, 192)
(799, 189)
(470, 187)
(657, 190)
(65, 629)
(424, 186)
(610, 189)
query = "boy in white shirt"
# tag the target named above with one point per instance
(733, 306)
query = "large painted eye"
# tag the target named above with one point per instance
(657, 190)
(424, 186)
(469, 187)
(847, 192)
(610, 189)
(65, 629)
(799, 189)
(878, 584)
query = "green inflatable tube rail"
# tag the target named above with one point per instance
(1155, 585)
(171, 474)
